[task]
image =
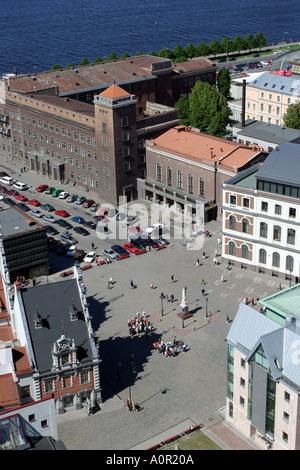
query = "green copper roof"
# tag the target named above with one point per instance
(283, 302)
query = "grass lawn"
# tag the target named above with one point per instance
(197, 440)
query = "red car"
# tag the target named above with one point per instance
(34, 202)
(130, 247)
(12, 192)
(88, 203)
(20, 197)
(62, 213)
(41, 188)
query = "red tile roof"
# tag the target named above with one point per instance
(114, 91)
(9, 392)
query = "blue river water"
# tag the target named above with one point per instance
(36, 34)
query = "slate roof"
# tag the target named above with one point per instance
(282, 165)
(277, 83)
(54, 301)
(268, 132)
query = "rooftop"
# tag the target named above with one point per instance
(282, 165)
(14, 222)
(277, 83)
(267, 132)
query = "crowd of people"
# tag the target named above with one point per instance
(139, 324)
(169, 348)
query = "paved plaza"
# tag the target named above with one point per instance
(174, 393)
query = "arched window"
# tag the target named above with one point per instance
(158, 172)
(232, 222)
(263, 232)
(190, 184)
(231, 248)
(201, 187)
(262, 256)
(289, 263)
(169, 176)
(245, 226)
(179, 179)
(245, 251)
(277, 233)
(276, 260)
(291, 236)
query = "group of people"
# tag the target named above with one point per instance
(139, 324)
(169, 348)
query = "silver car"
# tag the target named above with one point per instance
(50, 218)
(110, 253)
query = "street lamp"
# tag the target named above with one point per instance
(162, 303)
(284, 35)
(206, 307)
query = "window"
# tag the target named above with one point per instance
(190, 184)
(232, 200)
(158, 172)
(262, 256)
(277, 209)
(277, 233)
(242, 401)
(126, 166)
(104, 127)
(169, 176)
(291, 236)
(289, 266)
(179, 179)
(264, 206)
(285, 437)
(232, 248)
(276, 260)
(124, 121)
(287, 397)
(201, 187)
(125, 136)
(232, 222)
(245, 252)
(292, 212)
(126, 151)
(286, 417)
(263, 230)
(242, 382)
(246, 203)
(104, 142)
(245, 226)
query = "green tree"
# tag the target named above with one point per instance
(238, 43)
(202, 50)
(71, 65)
(292, 116)
(224, 82)
(84, 61)
(166, 53)
(138, 54)
(190, 51)
(178, 51)
(56, 67)
(206, 103)
(181, 59)
(250, 42)
(125, 55)
(183, 110)
(112, 56)
(226, 45)
(153, 53)
(260, 40)
(215, 47)
(98, 60)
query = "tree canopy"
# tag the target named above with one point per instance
(292, 116)
(224, 82)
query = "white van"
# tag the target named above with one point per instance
(21, 186)
(7, 180)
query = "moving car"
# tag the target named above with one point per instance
(63, 223)
(41, 188)
(80, 200)
(110, 253)
(51, 230)
(47, 207)
(62, 213)
(21, 197)
(88, 203)
(49, 190)
(63, 195)
(20, 186)
(50, 218)
(36, 213)
(34, 202)
(71, 198)
(56, 192)
(79, 220)
(67, 237)
(90, 257)
(81, 231)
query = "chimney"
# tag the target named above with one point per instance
(243, 103)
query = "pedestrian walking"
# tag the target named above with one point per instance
(202, 282)
(131, 285)
(252, 302)
(108, 285)
(216, 253)
(111, 281)
(279, 286)
(222, 278)
(93, 246)
(172, 278)
(197, 262)
(167, 298)
(151, 285)
(203, 255)
(219, 241)
(33, 282)
(227, 319)
(172, 298)
(203, 292)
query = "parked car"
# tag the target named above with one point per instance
(81, 231)
(162, 241)
(110, 253)
(56, 192)
(41, 188)
(256, 55)
(34, 202)
(7, 180)
(63, 195)
(264, 62)
(23, 206)
(8, 201)
(71, 198)
(80, 200)
(62, 249)
(130, 247)
(88, 203)
(94, 207)
(51, 230)
(63, 223)
(90, 257)
(67, 237)
(47, 207)
(62, 213)
(72, 250)
(36, 213)
(12, 192)
(54, 245)
(50, 218)
(79, 220)
(20, 186)
(119, 250)
(21, 197)
(79, 255)
(49, 190)
(90, 224)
